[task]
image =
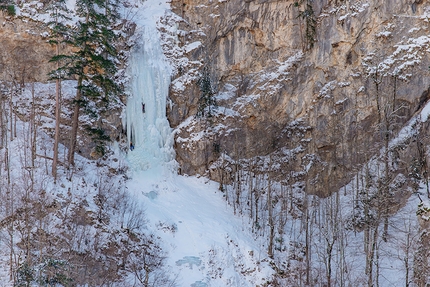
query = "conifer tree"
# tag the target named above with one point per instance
(206, 101)
(93, 65)
(59, 33)
(8, 6)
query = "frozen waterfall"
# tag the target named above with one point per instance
(145, 120)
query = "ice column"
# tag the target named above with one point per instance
(146, 122)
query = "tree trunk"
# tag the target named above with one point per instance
(146, 283)
(308, 242)
(329, 253)
(33, 127)
(2, 121)
(57, 121)
(11, 115)
(270, 219)
(75, 125)
(10, 211)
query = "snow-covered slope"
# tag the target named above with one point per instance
(206, 244)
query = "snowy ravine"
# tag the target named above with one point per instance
(205, 244)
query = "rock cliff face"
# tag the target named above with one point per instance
(326, 82)
(24, 53)
(317, 87)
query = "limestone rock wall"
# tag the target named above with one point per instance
(360, 76)
(24, 52)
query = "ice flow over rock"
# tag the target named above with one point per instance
(147, 127)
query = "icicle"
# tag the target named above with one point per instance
(147, 126)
